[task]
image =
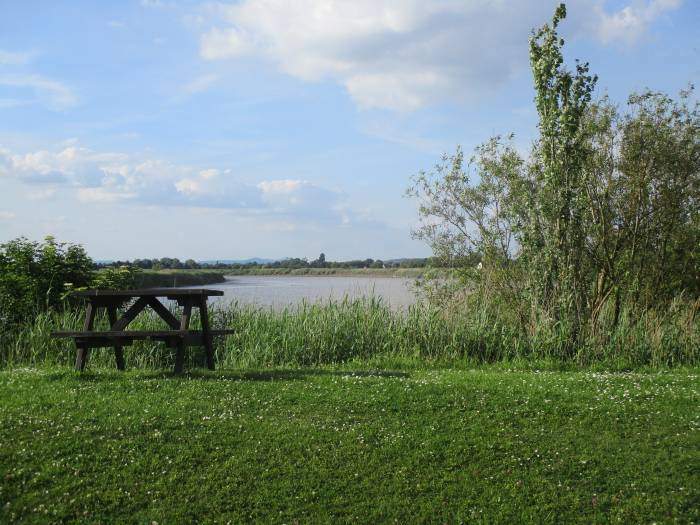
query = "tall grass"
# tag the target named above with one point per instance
(368, 329)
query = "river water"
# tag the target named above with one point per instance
(279, 291)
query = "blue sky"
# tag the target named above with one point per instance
(280, 128)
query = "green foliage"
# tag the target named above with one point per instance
(37, 275)
(349, 445)
(119, 278)
(370, 331)
(552, 237)
(604, 216)
(643, 195)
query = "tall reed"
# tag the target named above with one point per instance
(367, 329)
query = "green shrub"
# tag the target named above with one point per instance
(35, 276)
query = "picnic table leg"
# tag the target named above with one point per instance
(83, 350)
(180, 347)
(206, 333)
(118, 349)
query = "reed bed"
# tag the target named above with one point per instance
(368, 329)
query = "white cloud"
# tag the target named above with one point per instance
(115, 177)
(221, 44)
(6, 215)
(632, 21)
(280, 187)
(16, 74)
(405, 54)
(304, 199)
(71, 165)
(103, 195)
(41, 194)
(53, 94)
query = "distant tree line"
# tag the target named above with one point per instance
(170, 263)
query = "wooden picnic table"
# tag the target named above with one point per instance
(178, 336)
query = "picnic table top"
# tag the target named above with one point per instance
(150, 292)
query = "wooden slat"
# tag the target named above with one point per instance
(106, 342)
(106, 302)
(118, 350)
(151, 292)
(140, 334)
(180, 347)
(134, 310)
(82, 351)
(164, 313)
(206, 330)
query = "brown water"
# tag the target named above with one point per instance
(279, 291)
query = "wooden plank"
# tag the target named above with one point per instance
(103, 342)
(83, 351)
(180, 349)
(191, 338)
(151, 292)
(109, 342)
(206, 329)
(118, 349)
(163, 312)
(137, 334)
(106, 302)
(134, 310)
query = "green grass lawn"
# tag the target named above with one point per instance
(322, 445)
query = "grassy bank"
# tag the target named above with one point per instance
(334, 445)
(167, 278)
(369, 331)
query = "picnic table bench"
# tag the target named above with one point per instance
(178, 336)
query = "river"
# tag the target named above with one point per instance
(279, 291)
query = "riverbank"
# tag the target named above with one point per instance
(201, 277)
(339, 272)
(168, 278)
(342, 445)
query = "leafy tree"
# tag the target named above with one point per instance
(320, 262)
(37, 275)
(115, 278)
(606, 210)
(643, 197)
(553, 236)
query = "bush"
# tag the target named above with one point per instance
(35, 276)
(601, 219)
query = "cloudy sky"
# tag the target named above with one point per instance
(280, 128)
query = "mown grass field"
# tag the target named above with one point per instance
(337, 445)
